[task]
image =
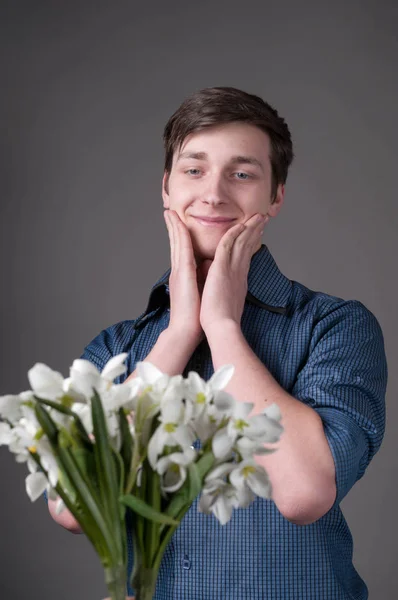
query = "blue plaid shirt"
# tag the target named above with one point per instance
(327, 353)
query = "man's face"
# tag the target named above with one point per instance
(223, 171)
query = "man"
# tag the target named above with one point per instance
(320, 358)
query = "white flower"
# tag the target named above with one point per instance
(10, 407)
(259, 428)
(36, 484)
(202, 393)
(6, 435)
(173, 468)
(253, 476)
(210, 404)
(85, 377)
(171, 432)
(45, 382)
(218, 496)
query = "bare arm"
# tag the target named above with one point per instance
(176, 344)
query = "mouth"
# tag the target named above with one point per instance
(214, 221)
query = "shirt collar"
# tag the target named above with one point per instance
(267, 287)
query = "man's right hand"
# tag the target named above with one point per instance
(186, 280)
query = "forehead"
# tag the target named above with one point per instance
(224, 141)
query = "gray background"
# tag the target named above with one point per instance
(86, 89)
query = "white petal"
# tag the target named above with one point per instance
(156, 445)
(172, 410)
(83, 367)
(222, 509)
(45, 382)
(237, 478)
(118, 396)
(195, 383)
(6, 435)
(36, 484)
(259, 483)
(205, 502)
(244, 497)
(10, 408)
(183, 436)
(243, 410)
(219, 472)
(163, 464)
(52, 494)
(84, 412)
(180, 478)
(60, 506)
(183, 458)
(224, 402)
(261, 427)
(273, 412)
(221, 377)
(115, 367)
(148, 372)
(222, 443)
(247, 448)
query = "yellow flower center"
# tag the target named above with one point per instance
(200, 398)
(246, 471)
(32, 449)
(170, 427)
(240, 424)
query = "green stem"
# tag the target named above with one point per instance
(144, 583)
(115, 579)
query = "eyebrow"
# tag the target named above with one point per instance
(235, 160)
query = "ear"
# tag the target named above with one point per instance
(165, 190)
(274, 208)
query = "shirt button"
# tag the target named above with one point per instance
(186, 563)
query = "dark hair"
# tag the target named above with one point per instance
(217, 105)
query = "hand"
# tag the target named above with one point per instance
(224, 294)
(186, 281)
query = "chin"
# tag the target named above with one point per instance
(204, 250)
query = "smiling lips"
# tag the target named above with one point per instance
(214, 221)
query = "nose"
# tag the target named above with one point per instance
(214, 194)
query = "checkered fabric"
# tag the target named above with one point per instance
(329, 354)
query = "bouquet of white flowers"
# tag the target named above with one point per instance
(98, 447)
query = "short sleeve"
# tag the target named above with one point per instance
(344, 380)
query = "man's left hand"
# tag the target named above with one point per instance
(224, 293)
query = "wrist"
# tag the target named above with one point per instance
(221, 329)
(183, 337)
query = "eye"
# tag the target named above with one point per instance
(189, 171)
(244, 175)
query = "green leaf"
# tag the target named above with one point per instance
(204, 464)
(144, 510)
(195, 482)
(79, 427)
(127, 443)
(47, 424)
(85, 495)
(105, 467)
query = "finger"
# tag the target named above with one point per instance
(248, 240)
(225, 245)
(170, 230)
(186, 258)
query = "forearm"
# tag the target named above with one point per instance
(171, 353)
(302, 470)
